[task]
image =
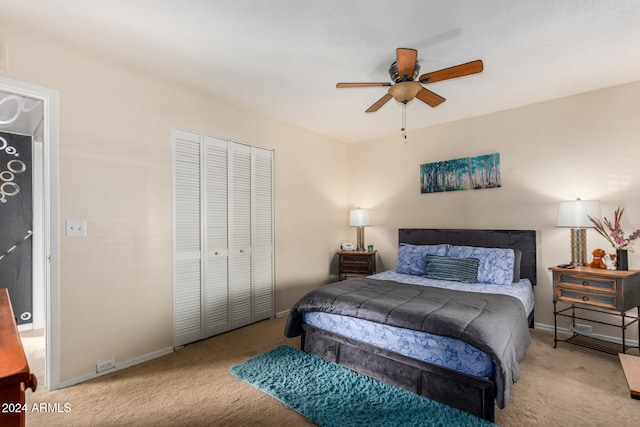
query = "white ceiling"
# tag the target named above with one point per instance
(282, 58)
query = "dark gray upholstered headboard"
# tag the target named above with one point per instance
(525, 240)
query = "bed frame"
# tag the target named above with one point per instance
(475, 395)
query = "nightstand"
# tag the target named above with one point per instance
(593, 290)
(356, 263)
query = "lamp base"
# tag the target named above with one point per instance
(578, 247)
(360, 239)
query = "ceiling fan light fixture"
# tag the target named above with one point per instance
(405, 91)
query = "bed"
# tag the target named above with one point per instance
(448, 340)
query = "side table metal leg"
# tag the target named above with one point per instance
(555, 325)
(623, 327)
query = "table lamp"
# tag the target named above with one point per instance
(575, 214)
(360, 218)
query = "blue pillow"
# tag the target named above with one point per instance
(411, 258)
(496, 265)
(449, 268)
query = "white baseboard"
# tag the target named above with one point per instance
(119, 367)
(282, 314)
(25, 327)
(617, 340)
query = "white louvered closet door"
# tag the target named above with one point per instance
(223, 235)
(187, 302)
(216, 209)
(262, 227)
(240, 272)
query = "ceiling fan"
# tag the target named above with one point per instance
(404, 72)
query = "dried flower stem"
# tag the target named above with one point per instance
(613, 232)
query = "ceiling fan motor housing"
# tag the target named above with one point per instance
(393, 73)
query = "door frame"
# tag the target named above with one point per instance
(50, 220)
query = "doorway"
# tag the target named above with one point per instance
(32, 111)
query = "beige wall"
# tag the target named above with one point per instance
(585, 146)
(116, 173)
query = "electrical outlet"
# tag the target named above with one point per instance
(584, 329)
(76, 227)
(106, 365)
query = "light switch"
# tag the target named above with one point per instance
(76, 228)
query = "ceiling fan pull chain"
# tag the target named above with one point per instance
(404, 121)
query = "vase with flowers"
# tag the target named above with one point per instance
(614, 235)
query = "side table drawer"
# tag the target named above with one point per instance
(587, 282)
(599, 299)
(355, 259)
(356, 262)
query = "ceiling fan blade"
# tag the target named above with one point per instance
(406, 61)
(379, 103)
(472, 67)
(372, 84)
(428, 97)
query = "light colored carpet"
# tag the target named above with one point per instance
(566, 386)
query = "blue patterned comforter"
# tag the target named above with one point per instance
(439, 350)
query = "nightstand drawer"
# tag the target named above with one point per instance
(355, 259)
(357, 263)
(599, 299)
(585, 282)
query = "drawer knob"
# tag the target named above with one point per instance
(585, 298)
(585, 283)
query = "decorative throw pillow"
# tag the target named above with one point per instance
(411, 258)
(495, 266)
(449, 268)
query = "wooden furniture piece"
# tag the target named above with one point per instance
(475, 395)
(631, 368)
(15, 375)
(595, 290)
(356, 263)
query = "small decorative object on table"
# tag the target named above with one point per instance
(610, 261)
(598, 259)
(614, 234)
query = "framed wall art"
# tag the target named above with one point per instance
(466, 173)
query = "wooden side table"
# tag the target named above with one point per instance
(356, 263)
(586, 290)
(15, 375)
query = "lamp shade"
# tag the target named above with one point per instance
(575, 213)
(359, 218)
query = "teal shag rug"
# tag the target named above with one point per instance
(330, 395)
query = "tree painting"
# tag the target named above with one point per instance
(432, 177)
(485, 171)
(467, 173)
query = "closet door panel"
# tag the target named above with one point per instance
(215, 289)
(262, 227)
(187, 243)
(240, 274)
